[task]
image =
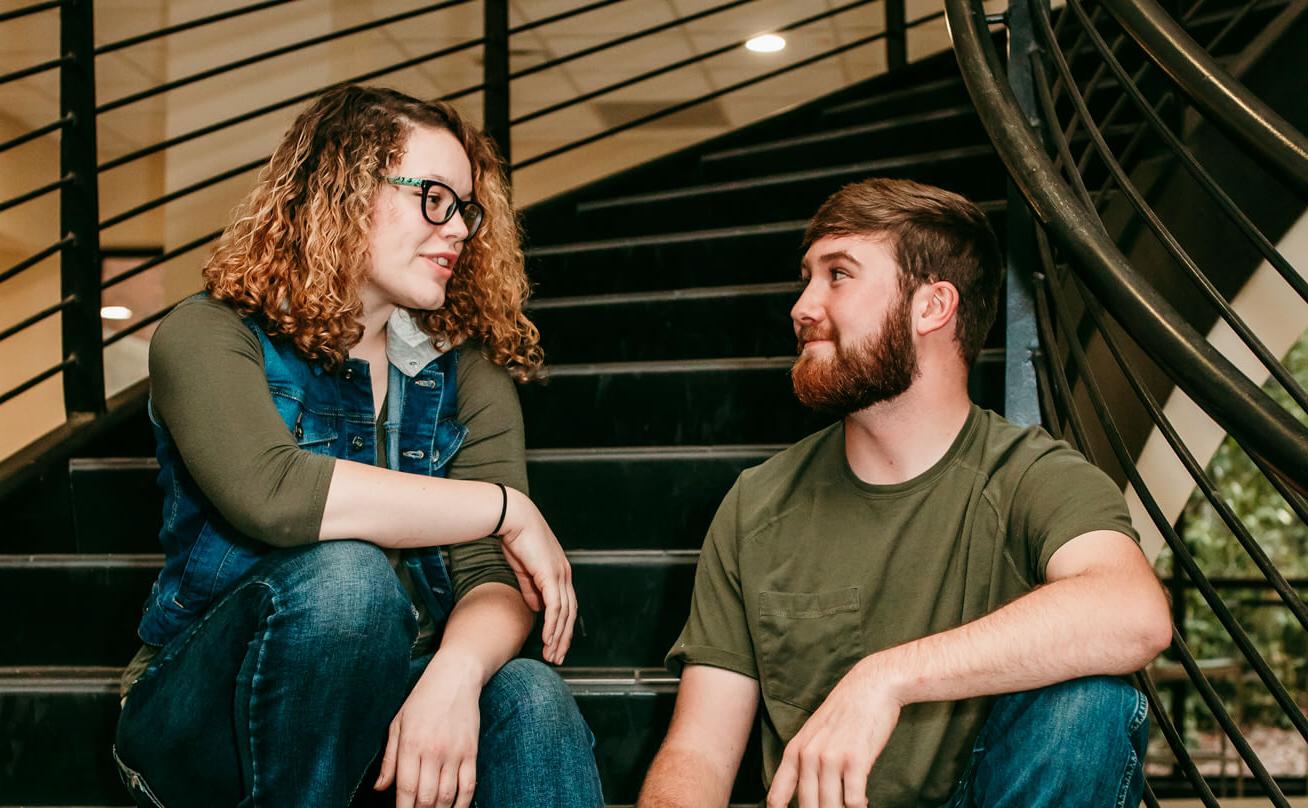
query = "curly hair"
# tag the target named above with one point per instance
(297, 252)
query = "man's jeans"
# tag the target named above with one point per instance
(1078, 743)
(282, 692)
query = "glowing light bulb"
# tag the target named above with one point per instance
(766, 43)
(115, 313)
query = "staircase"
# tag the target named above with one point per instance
(668, 341)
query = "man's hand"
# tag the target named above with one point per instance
(431, 754)
(828, 760)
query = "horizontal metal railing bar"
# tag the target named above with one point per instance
(198, 22)
(35, 258)
(562, 15)
(457, 94)
(897, 95)
(1226, 102)
(145, 207)
(186, 137)
(624, 39)
(653, 116)
(1215, 384)
(138, 325)
(43, 314)
(659, 71)
(36, 193)
(1273, 577)
(1049, 296)
(1156, 225)
(1175, 742)
(40, 131)
(33, 69)
(1229, 727)
(161, 258)
(37, 379)
(1191, 164)
(272, 53)
(35, 8)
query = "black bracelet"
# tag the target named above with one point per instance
(504, 509)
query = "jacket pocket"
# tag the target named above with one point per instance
(807, 642)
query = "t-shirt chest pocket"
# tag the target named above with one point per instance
(807, 641)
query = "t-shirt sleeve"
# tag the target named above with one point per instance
(716, 632)
(1059, 497)
(208, 389)
(494, 451)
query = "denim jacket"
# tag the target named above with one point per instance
(327, 413)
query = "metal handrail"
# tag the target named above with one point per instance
(37, 379)
(36, 193)
(180, 193)
(199, 22)
(28, 10)
(35, 258)
(1241, 115)
(40, 131)
(161, 258)
(44, 314)
(275, 52)
(1208, 377)
(33, 70)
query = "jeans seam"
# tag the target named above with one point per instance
(1132, 759)
(136, 782)
(254, 679)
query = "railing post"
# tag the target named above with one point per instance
(79, 212)
(896, 35)
(496, 75)
(1021, 399)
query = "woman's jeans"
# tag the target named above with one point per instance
(1078, 743)
(281, 694)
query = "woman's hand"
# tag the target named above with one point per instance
(543, 572)
(431, 753)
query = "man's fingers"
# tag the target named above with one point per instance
(807, 789)
(855, 786)
(407, 769)
(467, 783)
(783, 784)
(830, 784)
(387, 775)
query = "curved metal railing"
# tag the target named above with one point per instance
(1087, 211)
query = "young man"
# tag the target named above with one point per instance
(874, 583)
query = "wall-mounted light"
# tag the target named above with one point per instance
(766, 43)
(115, 313)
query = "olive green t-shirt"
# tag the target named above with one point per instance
(807, 569)
(207, 386)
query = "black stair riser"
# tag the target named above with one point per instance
(976, 177)
(936, 95)
(57, 745)
(627, 505)
(632, 265)
(630, 612)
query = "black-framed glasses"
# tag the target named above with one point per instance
(440, 203)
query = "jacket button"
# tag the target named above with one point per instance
(413, 454)
(357, 442)
(348, 374)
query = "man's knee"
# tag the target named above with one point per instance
(1084, 718)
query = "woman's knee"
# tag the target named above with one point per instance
(528, 695)
(345, 592)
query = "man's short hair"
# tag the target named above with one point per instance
(936, 235)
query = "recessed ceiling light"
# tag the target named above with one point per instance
(115, 313)
(766, 43)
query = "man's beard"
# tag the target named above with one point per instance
(877, 369)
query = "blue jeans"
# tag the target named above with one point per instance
(1078, 743)
(281, 694)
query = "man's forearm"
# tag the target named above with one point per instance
(683, 779)
(485, 630)
(1080, 626)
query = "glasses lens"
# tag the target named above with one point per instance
(472, 217)
(440, 204)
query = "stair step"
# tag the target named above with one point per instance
(972, 171)
(117, 506)
(696, 256)
(632, 605)
(923, 97)
(59, 726)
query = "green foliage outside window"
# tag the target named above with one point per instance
(1274, 630)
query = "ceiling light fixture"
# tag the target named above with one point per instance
(115, 313)
(766, 43)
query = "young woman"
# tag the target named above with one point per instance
(333, 412)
